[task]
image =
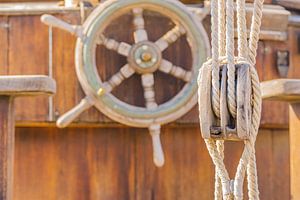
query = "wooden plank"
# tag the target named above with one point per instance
(280, 164)
(74, 164)
(116, 163)
(187, 167)
(7, 147)
(3, 44)
(281, 90)
(294, 150)
(289, 4)
(26, 85)
(33, 8)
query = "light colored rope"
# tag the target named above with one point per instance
(230, 57)
(222, 26)
(222, 52)
(215, 57)
(218, 183)
(242, 29)
(247, 162)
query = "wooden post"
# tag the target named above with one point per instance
(6, 146)
(288, 90)
(11, 87)
(295, 149)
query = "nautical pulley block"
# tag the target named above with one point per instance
(144, 58)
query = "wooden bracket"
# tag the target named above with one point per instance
(11, 87)
(288, 90)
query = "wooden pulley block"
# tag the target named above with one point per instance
(226, 127)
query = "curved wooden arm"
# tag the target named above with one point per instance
(58, 23)
(71, 115)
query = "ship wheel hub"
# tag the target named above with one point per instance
(144, 57)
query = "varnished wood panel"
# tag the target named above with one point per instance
(113, 163)
(4, 45)
(74, 164)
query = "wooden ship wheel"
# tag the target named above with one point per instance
(144, 58)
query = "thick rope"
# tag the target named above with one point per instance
(248, 160)
(242, 29)
(222, 52)
(230, 58)
(215, 57)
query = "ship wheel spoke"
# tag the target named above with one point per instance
(125, 72)
(176, 71)
(170, 37)
(149, 93)
(120, 47)
(140, 34)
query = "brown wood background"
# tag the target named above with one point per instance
(98, 159)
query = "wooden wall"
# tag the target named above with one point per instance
(99, 159)
(114, 163)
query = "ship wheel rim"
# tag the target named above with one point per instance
(111, 106)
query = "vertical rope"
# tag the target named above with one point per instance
(222, 26)
(255, 30)
(215, 57)
(242, 29)
(230, 57)
(218, 183)
(222, 52)
(253, 191)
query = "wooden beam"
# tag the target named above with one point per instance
(26, 85)
(6, 147)
(291, 4)
(295, 149)
(281, 90)
(289, 90)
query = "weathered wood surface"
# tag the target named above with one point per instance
(281, 90)
(7, 135)
(294, 117)
(112, 163)
(26, 85)
(290, 4)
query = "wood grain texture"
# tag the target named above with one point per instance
(289, 4)
(113, 163)
(4, 45)
(7, 134)
(26, 85)
(281, 90)
(294, 149)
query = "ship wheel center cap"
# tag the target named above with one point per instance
(145, 57)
